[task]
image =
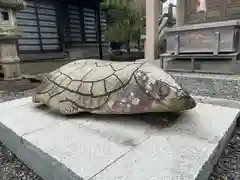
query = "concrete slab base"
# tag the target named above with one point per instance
(93, 147)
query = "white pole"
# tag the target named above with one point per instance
(180, 12)
(153, 11)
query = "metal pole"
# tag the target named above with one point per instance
(99, 31)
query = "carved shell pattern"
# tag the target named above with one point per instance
(91, 80)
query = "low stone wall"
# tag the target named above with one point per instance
(216, 86)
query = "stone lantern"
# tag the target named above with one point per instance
(9, 34)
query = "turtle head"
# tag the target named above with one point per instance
(170, 98)
(167, 95)
(175, 100)
(180, 100)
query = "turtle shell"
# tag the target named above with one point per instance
(86, 85)
(93, 77)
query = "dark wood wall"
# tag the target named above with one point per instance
(217, 10)
(53, 26)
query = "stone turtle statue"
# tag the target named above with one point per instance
(105, 87)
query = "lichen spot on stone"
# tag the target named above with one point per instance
(128, 106)
(138, 74)
(150, 83)
(110, 104)
(135, 101)
(144, 77)
(148, 87)
(123, 100)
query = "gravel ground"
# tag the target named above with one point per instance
(11, 168)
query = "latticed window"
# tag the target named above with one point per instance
(39, 24)
(42, 32)
(73, 31)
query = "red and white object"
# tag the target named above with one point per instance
(201, 6)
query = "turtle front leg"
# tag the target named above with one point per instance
(38, 98)
(35, 99)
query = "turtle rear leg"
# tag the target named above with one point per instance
(68, 108)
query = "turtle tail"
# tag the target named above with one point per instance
(40, 91)
(35, 99)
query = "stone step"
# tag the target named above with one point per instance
(216, 66)
(117, 147)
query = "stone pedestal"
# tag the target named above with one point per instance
(117, 147)
(215, 37)
(9, 60)
(9, 33)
